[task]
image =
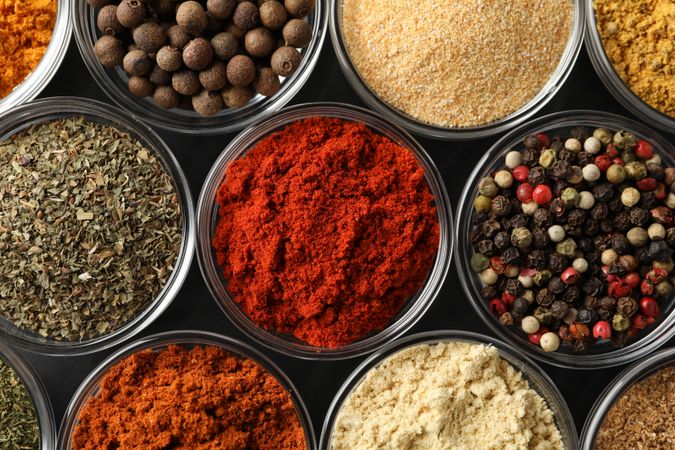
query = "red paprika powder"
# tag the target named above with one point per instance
(325, 229)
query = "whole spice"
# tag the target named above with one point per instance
(90, 228)
(19, 428)
(202, 397)
(328, 265)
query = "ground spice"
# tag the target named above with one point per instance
(448, 395)
(639, 40)
(19, 428)
(25, 31)
(456, 64)
(200, 398)
(643, 417)
(325, 230)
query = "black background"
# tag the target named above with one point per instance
(318, 382)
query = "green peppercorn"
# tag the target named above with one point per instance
(636, 170)
(570, 196)
(663, 289)
(603, 134)
(541, 278)
(623, 140)
(521, 237)
(616, 174)
(576, 175)
(620, 323)
(547, 158)
(543, 314)
(628, 156)
(487, 187)
(506, 319)
(566, 247)
(479, 262)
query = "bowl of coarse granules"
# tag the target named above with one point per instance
(96, 226)
(637, 409)
(456, 70)
(188, 389)
(448, 389)
(630, 45)
(568, 233)
(324, 231)
(26, 417)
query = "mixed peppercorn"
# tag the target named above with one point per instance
(573, 240)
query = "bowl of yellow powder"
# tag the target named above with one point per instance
(456, 70)
(448, 389)
(34, 38)
(632, 47)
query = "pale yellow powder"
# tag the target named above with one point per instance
(453, 395)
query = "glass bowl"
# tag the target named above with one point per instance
(555, 82)
(114, 82)
(533, 374)
(55, 108)
(37, 392)
(613, 82)
(40, 77)
(632, 375)
(207, 215)
(601, 354)
(188, 338)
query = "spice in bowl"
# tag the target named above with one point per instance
(456, 64)
(176, 397)
(445, 395)
(643, 416)
(207, 55)
(19, 428)
(90, 229)
(25, 32)
(573, 238)
(325, 229)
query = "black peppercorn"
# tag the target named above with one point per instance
(603, 192)
(660, 251)
(502, 240)
(560, 186)
(643, 256)
(584, 159)
(557, 209)
(511, 255)
(626, 306)
(602, 242)
(555, 285)
(606, 225)
(568, 155)
(559, 309)
(544, 297)
(576, 217)
(520, 305)
(479, 218)
(579, 133)
(513, 287)
(591, 228)
(604, 314)
(647, 200)
(490, 228)
(519, 221)
(571, 294)
(487, 248)
(530, 157)
(615, 205)
(542, 218)
(620, 244)
(616, 269)
(586, 316)
(501, 206)
(557, 262)
(574, 231)
(599, 211)
(489, 292)
(475, 236)
(536, 176)
(670, 237)
(537, 259)
(638, 216)
(592, 286)
(561, 169)
(622, 221)
(532, 141)
(539, 238)
(585, 244)
(608, 303)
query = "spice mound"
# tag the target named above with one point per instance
(643, 417)
(457, 64)
(90, 228)
(446, 395)
(639, 40)
(202, 398)
(19, 428)
(574, 237)
(325, 229)
(25, 31)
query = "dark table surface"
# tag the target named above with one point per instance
(194, 308)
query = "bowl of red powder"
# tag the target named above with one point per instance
(324, 231)
(187, 389)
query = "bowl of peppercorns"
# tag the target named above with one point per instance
(207, 66)
(569, 239)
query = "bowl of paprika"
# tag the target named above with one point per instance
(324, 231)
(568, 232)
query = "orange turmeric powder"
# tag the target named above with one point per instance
(25, 31)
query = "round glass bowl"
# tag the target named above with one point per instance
(189, 339)
(602, 354)
(632, 375)
(613, 82)
(50, 109)
(207, 215)
(114, 82)
(402, 119)
(50, 63)
(533, 374)
(37, 392)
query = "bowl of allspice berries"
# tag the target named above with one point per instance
(207, 66)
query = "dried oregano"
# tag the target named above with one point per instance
(19, 429)
(90, 228)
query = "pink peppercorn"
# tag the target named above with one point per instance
(524, 192)
(520, 173)
(544, 140)
(649, 307)
(646, 184)
(497, 307)
(570, 275)
(643, 149)
(602, 330)
(603, 162)
(633, 279)
(542, 194)
(647, 287)
(612, 152)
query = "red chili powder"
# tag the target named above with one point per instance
(325, 229)
(198, 399)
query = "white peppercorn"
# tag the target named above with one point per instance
(528, 295)
(592, 145)
(656, 232)
(529, 324)
(513, 159)
(630, 197)
(656, 159)
(603, 135)
(580, 264)
(530, 207)
(573, 144)
(609, 257)
(504, 179)
(591, 172)
(489, 276)
(556, 233)
(586, 200)
(637, 237)
(670, 201)
(525, 281)
(550, 342)
(512, 271)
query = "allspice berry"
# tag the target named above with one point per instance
(273, 15)
(164, 9)
(285, 61)
(246, 15)
(198, 54)
(299, 8)
(225, 45)
(214, 78)
(149, 37)
(297, 33)
(207, 103)
(240, 71)
(159, 77)
(186, 82)
(131, 13)
(191, 16)
(99, 3)
(109, 51)
(107, 22)
(221, 9)
(236, 96)
(259, 42)
(166, 97)
(267, 82)
(178, 37)
(141, 86)
(234, 30)
(169, 58)
(137, 62)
